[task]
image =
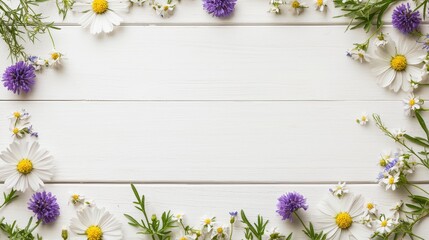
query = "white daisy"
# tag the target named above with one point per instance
(412, 104)
(367, 220)
(297, 6)
(321, 5)
(395, 64)
(76, 198)
(273, 234)
(384, 225)
(381, 40)
(370, 208)
(207, 223)
(220, 232)
(19, 128)
(390, 181)
(384, 158)
(19, 115)
(164, 10)
(102, 15)
(178, 217)
(339, 190)
(358, 55)
(26, 166)
(363, 119)
(96, 224)
(55, 58)
(275, 6)
(339, 218)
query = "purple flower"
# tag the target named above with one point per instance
(219, 8)
(19, 77)
(45, 207)
(290, 203)
(405, 19)
(233, 214)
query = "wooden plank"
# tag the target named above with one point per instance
(206, 63)
(196, 141)
(199, 200)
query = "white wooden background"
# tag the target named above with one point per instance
(207, 115)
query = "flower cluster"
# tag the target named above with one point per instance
(396, 167)
(296, 6)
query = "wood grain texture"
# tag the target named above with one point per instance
(196, 141)
(207, 63)
(199, 200)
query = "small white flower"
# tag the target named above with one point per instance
(95, 223)
(207, 223)
(178, 217)
(396, 210)
(385, 158)
(164, 10)
(37, 62)
(273, 234)
(390, 181)
(398, 133)
(363, 119)
(370, 208)
(139, 2)
(412, 104)
(76, 199)
(381, 40)
(367, 220)
(384, 225)
(220, 232)
(297, 6)
(27, 166)
(55, 58)
(275, 6)
(19, 129)
(339, 190)
(19, 115)
(321, 5)
(358, 55)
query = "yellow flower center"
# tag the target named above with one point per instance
(25, 166)
(391, 180)
(75, 197)
(370, 206)
(398, 63)
(343, 220)
(207, 221)
(94, 233)
(384, 223)
(363, 118)
(56, 55)
(15, 131)
(17, 114)
(383, 163)
(412, 102)
(165, 7)
(183, 238)
(296, 4)
(219, 230)
(319, 3)
(100, 6)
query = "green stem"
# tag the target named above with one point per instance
(421, 189)
(302, 222)
(52, 39)
(232, 230)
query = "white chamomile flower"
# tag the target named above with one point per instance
(384, 225)
(396, 64)
(100, 15)
(27, 165)
(19, 129)
(385, 158)
(363, 119)
(358, 55)
(381, 40)
(273, 234)
(370, 208)
(19, 115)
(220, 232)
(275, 6)
(297, 6)
(398, 133)
(76, 198)
(178, 217)
(37, 62)
(339, 190)
(96, 224)
(164, 10)
(390, 181)
(321, 5)
(412, 104)
(207, 223)
(340, 218)
(55, 57)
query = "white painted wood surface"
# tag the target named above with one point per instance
(208, 115)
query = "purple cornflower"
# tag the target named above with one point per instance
(290, 203)
(390, 165)
(19, 77)
(219, 8)
(406, 20)
(45, 207)
(233, 214)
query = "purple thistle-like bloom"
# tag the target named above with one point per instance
(405, 19)
(45, 206)
(19, 77)
(219, 8)
(290, 203)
